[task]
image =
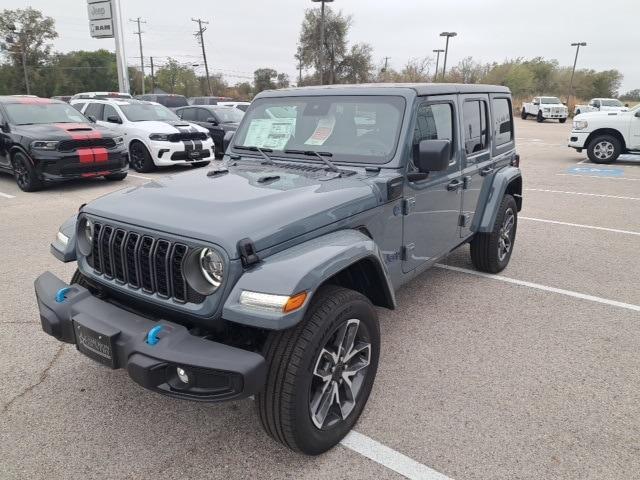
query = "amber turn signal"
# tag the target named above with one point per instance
(295, 302)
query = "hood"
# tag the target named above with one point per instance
(267, 204)
(62, 131)
(614, 109)
(600, 115)
(171, 126)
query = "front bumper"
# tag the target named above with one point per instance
(216, 371)
(578, 139)
(555, 115)
(172, 153)
(61, 166)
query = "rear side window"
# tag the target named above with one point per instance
(502, 121)
(78, 106)
(95, 110)
(474, 117)
(203, 115)
(188, 114)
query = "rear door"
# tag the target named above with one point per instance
(5, 141)
(476, 154)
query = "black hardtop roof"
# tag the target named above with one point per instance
(382, 88)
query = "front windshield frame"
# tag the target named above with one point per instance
(550, 100)
(39, 119)
(155, 106)
(392, 101)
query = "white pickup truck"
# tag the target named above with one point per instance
(601, 105)
(606, 135)
(545, 107)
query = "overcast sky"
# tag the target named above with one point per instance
(247, 34)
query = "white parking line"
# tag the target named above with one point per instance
(390, 458)
(6, 195)
(578, 225)
(596, 176)
(537, 286)
(140, 176)
(581, 193)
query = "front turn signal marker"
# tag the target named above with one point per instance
(295, 302)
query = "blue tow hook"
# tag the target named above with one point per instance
(152, 336)
(61, 295)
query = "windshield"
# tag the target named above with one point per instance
(147, 111)
(359, 129)
(612, 103)
(550, 100)
(40, 113)
(229, 115)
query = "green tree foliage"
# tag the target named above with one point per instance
(632, 95)
(263, 79)
(180, 79)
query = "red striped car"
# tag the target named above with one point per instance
(44, 141)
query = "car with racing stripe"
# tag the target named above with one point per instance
(155, 136)
(44, 140)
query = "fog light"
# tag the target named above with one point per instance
(182, 375)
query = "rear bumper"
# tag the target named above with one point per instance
(216, 371)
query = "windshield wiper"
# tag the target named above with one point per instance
(261, 151)
(320, 155)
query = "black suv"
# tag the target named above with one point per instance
(169, 100)
(217, 119)
(44, 140)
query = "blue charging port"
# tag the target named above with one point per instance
(152, 336)
(61, 295)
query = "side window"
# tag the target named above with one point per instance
(434, 122)
(109, 111)
(188, 114)
(78, 106)
(474, 121)
(502, 121)
(95, 110)
(202, 115)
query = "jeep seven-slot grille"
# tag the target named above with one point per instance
(142, 262)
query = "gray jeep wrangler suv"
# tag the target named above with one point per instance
(261, 275)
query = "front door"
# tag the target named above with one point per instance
(634, 131)
(432, 202)
(4, 142)
(477, 164)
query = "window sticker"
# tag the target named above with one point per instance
(322, 132)
(271, 133)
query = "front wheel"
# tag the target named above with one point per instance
(320, 372)
(491, 251)
(562, 120)
(539, 117)
(24, 173)
(140, 158)
(604, 149)
(523, 114)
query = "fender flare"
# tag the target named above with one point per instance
(304, 267)
(66, 252)
(506, 180)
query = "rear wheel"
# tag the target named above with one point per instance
(24, 173)
(491, 251)
(539, 117)
(604, 149)
(320, 372)
(562, 120)
(140, 158)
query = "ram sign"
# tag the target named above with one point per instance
(100, 18)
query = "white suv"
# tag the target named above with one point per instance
(156, 137)
(606, 135)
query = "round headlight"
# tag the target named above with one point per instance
(212, 266)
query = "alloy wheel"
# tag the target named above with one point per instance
(603, 150)
(137, 156)
(21, 173)
(505, 241)
(339, 374)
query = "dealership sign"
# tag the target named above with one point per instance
(100, 18)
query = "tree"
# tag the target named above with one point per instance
(357, 66)
(416, 70)
(263, 79)
(282, 80)
(176, 78)
(632, 95)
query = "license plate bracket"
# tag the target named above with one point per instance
(95, 339)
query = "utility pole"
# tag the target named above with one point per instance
(573, 72)
(153, 78)
(437, 52)
(199, 33)
(139, 33)
(446, 50)
(386, 63)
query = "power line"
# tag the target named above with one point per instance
(199, 33)
(139, 33)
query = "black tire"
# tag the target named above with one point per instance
(293, 357)
(524, 114)
(604, 149)
(140, 158)
(116, 177)
(24, 173)
(487, 251)
(562, 120)
(200, 164)
(539, 117)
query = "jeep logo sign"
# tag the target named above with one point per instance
(100, 18)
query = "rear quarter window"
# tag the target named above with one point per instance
(502, 121)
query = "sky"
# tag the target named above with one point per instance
(243, 35)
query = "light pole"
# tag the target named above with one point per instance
(321, 58)
(437, 52)
(446, 49)
(573, 72)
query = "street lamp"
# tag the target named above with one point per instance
(321, 59)
(438, 52)
(446, 49)
(573, 72)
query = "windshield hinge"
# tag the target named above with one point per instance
(408, 204)
(247, 252)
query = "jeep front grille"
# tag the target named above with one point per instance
(153, 265)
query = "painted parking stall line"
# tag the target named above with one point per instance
(599, 176)
(545, 288)
(579, 225)
(6, 195)
(601, 195)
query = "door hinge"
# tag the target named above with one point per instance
(408, 204)
(463, 219)
(405, 251)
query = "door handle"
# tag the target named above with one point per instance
(486, 171)
(454, 185)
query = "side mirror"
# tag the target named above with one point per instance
(638, 114)
(536, 103)
(433, 155)
(114, 119)
(226, 141)
(626, 105)
(212, 121)
(564, 103)
(91, 118)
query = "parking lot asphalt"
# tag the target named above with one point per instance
(532, 374)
